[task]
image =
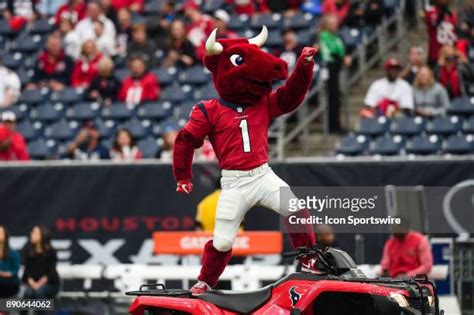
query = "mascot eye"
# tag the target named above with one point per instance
(236, 60)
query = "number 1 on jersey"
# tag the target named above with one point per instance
(244, 128)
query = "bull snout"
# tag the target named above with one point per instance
(268, 67)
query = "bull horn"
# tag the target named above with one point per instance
(212, 46)
(261, 38)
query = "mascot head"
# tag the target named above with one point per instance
(241, 71)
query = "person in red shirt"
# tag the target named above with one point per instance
(221, 19)
(12, 147)
(201, 25)
(73, 10)
(406, 253)
(340, 8)
(141, 85)
(86, 67)
(132, 5)
(237, 127)
(53, 67)
(441, 24)
(249, 7)
(452, 70)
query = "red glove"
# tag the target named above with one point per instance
(308, 53)
(184, 186)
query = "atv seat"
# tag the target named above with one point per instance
(240, 302)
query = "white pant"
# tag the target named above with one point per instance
(241, 190)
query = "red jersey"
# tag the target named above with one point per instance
(73, 14)
(85, 71)
(410, 256)
(17, 150)
(238, 134)
(119, 4)
(441, 27)
(134, 91)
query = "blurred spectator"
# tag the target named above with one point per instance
(325, 236)
(201, 25)
(124, 148)
(39, 259)
(205, 152)
(85, 28)
(466, 44)
(105, 87)
(10, 86)
(339, 8)
(221, 19)
(49, 7)
(11, 148)
(141, 45)
(441, 24)
(109, 11)
(431, 98)
(9, 266)
(22, 9)
(135, 6)
(85, 68)
(73, 11)
(142, 85)
(333, 56)
(288, 7)
(105, 44)
(71, 42)
(124, 31)
(388, 95)
(415, 62)
(8, 119)
(452, 69)
(206, 210)
(249, 7)
(374, 12)
(170, 132)
(291, 49)
(180, 50)
(158, 25)
(466, 14)
(53, 68)
(86, 146)
(406, 253)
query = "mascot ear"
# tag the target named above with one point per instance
(211, 63)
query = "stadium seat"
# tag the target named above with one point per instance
(30, 131)
(462, 106)
(137, 128)
(61, 131)
(238, 22)
(210, 6)
(386, 145)
(183, 111)
(352, 145)
(458, 144)
(408, 126)
(47, 112)
(21, 111)
(106, 128)
(271, 21)
(351, 37)
(152, 8)
(299, 21)
(468, 126)
(165, 75)
(195, 76)
(117, 111)
(83, 111)
(274, 39)
(305, 38)
(42, 149)
(41, 27)
(33, 97)
(5, 29)
(29, 44)
(424, 145)
(25, 76)
(154, 111)
(205, 92)
(68, 95)
(445, 125)
(373, 126)
(121, 73)
(149, 147)
(13, 61)
(173, 94)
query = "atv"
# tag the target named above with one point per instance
(341, 289)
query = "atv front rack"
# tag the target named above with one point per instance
(159, 289)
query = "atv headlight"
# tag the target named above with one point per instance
(431, 300)
(400, 299)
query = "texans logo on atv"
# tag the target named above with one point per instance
(294, 296)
